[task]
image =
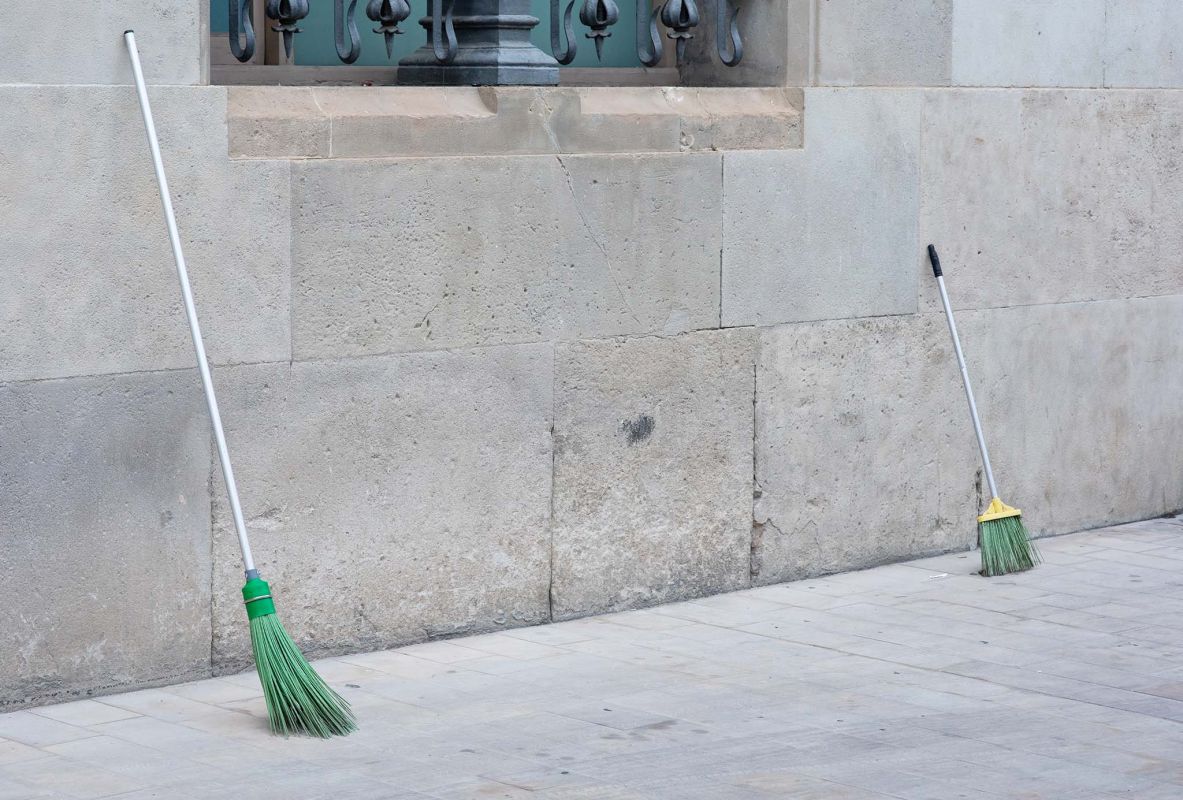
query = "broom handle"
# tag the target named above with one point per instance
(969, 392)
(207, 382)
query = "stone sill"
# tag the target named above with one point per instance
(390, 122)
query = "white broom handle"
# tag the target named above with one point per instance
(190, 310)
(969, 392)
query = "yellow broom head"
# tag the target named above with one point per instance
(998, 510)
(1004, 540)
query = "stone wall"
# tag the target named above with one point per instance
(467, 393)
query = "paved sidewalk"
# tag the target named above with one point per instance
(917, 681)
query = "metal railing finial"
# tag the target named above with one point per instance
(287, 15)
(599, 15)
(389, 14)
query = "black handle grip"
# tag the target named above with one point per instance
(935, 260)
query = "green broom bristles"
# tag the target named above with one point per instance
(1006, 546)
(298, 699)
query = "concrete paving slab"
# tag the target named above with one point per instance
(887, 683)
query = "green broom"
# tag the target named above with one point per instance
(1006, 546)
(298, 700)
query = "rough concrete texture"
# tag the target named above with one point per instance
(1085, 208)
(104, 544)
(83, 247)
(390, 499)
(1052, 43)
(810, 235)
(884, 42)
(850, 415)
(703, 118)
(1084, 426)
(382, 122)
(1144, 48)
(1078, 437)
(82, 43)
(428, 254)
(1024, 43)
(653, 470)
(277, 122)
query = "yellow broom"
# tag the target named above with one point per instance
(1005, 544)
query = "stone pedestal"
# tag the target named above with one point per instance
(494, 49)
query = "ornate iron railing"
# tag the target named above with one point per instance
(487, 41)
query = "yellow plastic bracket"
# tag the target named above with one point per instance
(999, 510)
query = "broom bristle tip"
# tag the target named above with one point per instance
(1006, 546)
(298, 699)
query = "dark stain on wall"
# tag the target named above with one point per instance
(639, 429)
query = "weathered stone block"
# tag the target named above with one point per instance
(828, 232)
(425, 254)
(1052, 196)
(653, 470)
(82, 43)
(1142, 44)
(393, 122)
(1080, 402)
(1020, 43)
(865, 452)
(885, 42)
(849, 417)
(83, 248)
(699, 118)
(417, 120)
(277, 122)
(104, 535)
(739, 119)
(389, 499)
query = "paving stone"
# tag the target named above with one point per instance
(11, 752)
(159, 704)
(59, 777)
(19, 790)
(84, 713)
(129, 759)
(711, 699)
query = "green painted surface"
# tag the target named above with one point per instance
(314, 47)
(218, 16)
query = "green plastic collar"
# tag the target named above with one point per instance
(257, 595)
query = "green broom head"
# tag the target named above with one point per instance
(1006, 545)
(298, 700)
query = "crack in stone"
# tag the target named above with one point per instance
(595, 240)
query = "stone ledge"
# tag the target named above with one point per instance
(388, 122)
